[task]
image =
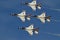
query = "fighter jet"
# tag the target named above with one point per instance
(30, 29)
(33, 5)
(22, 15)
(43, 17)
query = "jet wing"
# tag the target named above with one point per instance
(33, 4)
(42, 17)
(22, 16)
(33, 7)
(30, 32)
(42, 20)
(30, 29)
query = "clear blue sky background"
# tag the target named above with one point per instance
(9, 24)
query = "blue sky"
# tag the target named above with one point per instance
(9, 24)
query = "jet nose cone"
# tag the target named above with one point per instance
(26, 3)
(35, 16)
(13, 14)
(23, 28)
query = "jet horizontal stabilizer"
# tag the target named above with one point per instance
(36, 30)
(48, 18)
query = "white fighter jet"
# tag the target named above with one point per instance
(33, 5)
(22, 16)
(30, 29)
(43, 17)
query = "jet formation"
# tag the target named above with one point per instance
(41, 17)
(23, 16)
